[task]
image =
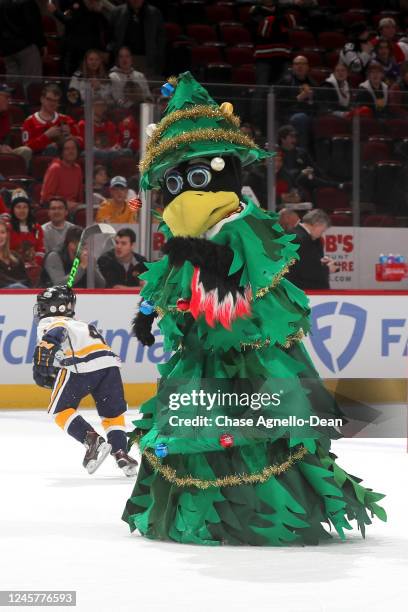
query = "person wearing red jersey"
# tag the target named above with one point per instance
(46, 129)
(106, 136)
(64, 177)
(23, 229)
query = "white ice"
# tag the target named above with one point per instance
(61, 529)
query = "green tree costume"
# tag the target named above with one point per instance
(271, 486)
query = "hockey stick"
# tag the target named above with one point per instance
(91, 230)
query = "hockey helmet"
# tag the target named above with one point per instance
(55, 301)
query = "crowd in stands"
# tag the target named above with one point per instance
(327, 61)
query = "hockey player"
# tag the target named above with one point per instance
(73, 359)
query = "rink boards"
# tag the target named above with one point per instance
(355, 335)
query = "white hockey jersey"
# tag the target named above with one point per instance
(83, 348)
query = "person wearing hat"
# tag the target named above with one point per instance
(232, 323)
(115, 209)
(373, 92)
(5, 127)
(23, 228)
(357, 53)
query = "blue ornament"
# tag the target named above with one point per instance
(146, 307)
(167, 90)
(161, 450)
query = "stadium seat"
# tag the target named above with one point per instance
(379, 221)
(124, 166)
(201, 33)
(327, 126)
(388, 192)
(34, 92)
(173, 31)
(244, 15)
(53, 44)
(340, 165)
(343, 219)
(331, 40)
(39, 165)
(80, 217)
(331, 198)
(319, 74)
(204, 55)
(375, 151)
(233, 33)
(332, 58)
(51, 66)
(398, 128)
(345, 5)
(301, 38)
(216, 13)
(41, 215)
(17, 94)
(240, 54)
(372, 127)
(313, 55)
(49, 24)
(244, 75)
(218, 72)
(192, 11)
(12, 165)
(17, 114)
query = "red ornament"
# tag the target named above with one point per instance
(183, 305)
(135, 204)
(227, 440)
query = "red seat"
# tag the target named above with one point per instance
(173, 31)
(34, 92)
(234, 33)
(398, 128)
(328, 126)
(355, 78)
(202, 56)
(12, 165)
(301, 38)
(236, 56)
(201, 33)
(244, 75)
(314, 56)
(53, 44)
(36, 193)
(41, 215)
(332, 58)
(17, 114)
(80, 217)
(244, 15)
(219, 12)
(375, 151)
(49, 24)
(39, 165)
(330, 198)
(319, 74)
(51, 65)
(124, 166)
(341, 219)
(379, 221)
(346, 5)
(354, 16)
(331, 40)
(372, 127)
(218, 72)
(192, 11)
(18, 94)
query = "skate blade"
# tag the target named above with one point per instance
(130, 470)
(103, 452)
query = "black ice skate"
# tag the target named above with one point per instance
(97, 451)
(127, 464)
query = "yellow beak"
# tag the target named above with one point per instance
(193, 212)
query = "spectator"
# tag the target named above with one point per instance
(296, 98)
(64, 177)
(116, 209)
(56, 228)
(58, 263)
(383, 54)
(312, 270)
(272, 51)
(288, 219)
(284, 183)
(129, 128)
(356, 54)
(46, 129)
(298, 163)
(387, 29)
(85, 27)
(123, 73)
(23, 227)
(5, 127)
(106, 135)
(399, 94)
(139, 26)
(336, 92)
(121, 266)
(373, 93)
(12, 271)
(100, 184)
(22, 38)
(93, 71)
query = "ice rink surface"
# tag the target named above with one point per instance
(61, 529)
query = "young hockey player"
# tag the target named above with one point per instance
(73, 359)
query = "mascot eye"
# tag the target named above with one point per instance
(174, 183)
(199, 177)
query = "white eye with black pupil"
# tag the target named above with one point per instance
(199, 177)
(174, 183)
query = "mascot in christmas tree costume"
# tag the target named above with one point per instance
(228, 314)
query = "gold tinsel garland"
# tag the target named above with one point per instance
(196, 112)
(276, 280)
(260, 343)
(206, 134)
(234, 480)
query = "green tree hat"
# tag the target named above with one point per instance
(194, 125)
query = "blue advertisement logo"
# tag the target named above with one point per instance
(320, 334)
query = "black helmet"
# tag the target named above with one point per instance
(55, 301)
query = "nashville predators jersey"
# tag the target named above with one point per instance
(83, 348)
